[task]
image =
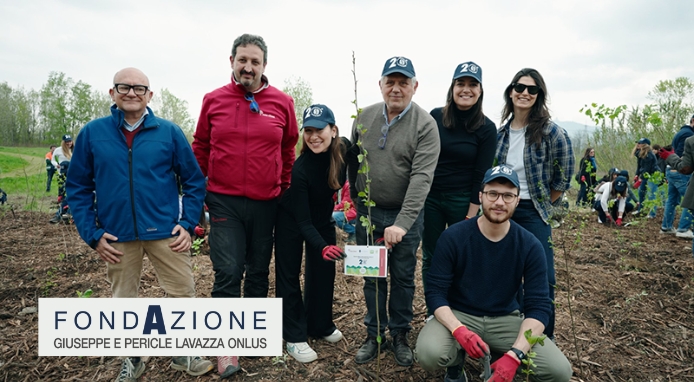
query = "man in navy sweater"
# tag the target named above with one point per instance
(477, 269)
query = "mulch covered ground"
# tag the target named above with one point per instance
(628, 290)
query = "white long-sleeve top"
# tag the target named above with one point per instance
(58, 157)
(605, 191)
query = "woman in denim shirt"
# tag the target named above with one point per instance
(540, 152)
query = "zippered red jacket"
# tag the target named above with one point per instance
(243, 153)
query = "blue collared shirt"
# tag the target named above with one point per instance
(134, 126)
(398, 117)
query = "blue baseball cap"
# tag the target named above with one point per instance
(318, 116)
(502, 171)
(398, 64)
(468, 69)
(620, 184)
(67, 138)
(644, 140)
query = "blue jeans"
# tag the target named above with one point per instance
(677, 186)
(402, 261)
(527, 217)
(342, 223)
(647, 185)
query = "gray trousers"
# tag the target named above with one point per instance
(437, 348)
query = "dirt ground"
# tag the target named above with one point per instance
(630, 291)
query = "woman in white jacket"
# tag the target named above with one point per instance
(613, 198)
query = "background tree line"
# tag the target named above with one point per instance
(31, 117)
(618, 127)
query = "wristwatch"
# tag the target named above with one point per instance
(519, 353)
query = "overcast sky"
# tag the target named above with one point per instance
(610, 52)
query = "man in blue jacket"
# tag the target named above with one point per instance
(476, 272)
(677, 187)
(128, 167)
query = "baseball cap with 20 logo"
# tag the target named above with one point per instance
(398, 64)
(318, 116)
(468, 69)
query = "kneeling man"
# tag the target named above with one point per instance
(477, 270)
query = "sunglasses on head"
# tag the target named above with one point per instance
(254, 104)
(384, 137)
(520, 88)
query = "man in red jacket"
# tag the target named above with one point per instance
(244, 143)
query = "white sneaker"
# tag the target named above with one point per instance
(301, 352)
(686, 234)
(336, 336)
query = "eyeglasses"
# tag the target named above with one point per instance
(493, 196)
(254, 104)
(125, 89)
(520, 88)
(384, 138)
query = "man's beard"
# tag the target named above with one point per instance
(495, 219)
(247, 82)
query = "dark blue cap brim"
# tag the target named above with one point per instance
(461, 75)
(406, 73)
(500, 175)
(317, 124)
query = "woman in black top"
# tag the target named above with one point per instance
(468, 144)
(587, 178)
(305, 215)
(646, 166)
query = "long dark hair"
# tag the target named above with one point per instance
(539, 113)
(586, 155)
(477, 116)
(337, 160)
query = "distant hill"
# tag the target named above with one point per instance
(575, 128)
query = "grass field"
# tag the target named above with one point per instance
(26, 188)
(10, 163)
(31, 151)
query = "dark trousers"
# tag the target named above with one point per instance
(63, 206)
(240, 241)
(614, 210)
(441, 210)
(585, 193)
(401, 264)
(312, 315)
(527, 217)
(50, 173)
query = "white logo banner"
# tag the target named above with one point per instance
(160, 326)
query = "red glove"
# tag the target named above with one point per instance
(609, 219)
(583, 178)
(504, 369)
(619, 222)
(636, 178)
(664, 153)
(332, 253)
(471, 342)
(199, 231)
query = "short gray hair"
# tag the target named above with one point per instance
(414, 79)
(246, 39)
